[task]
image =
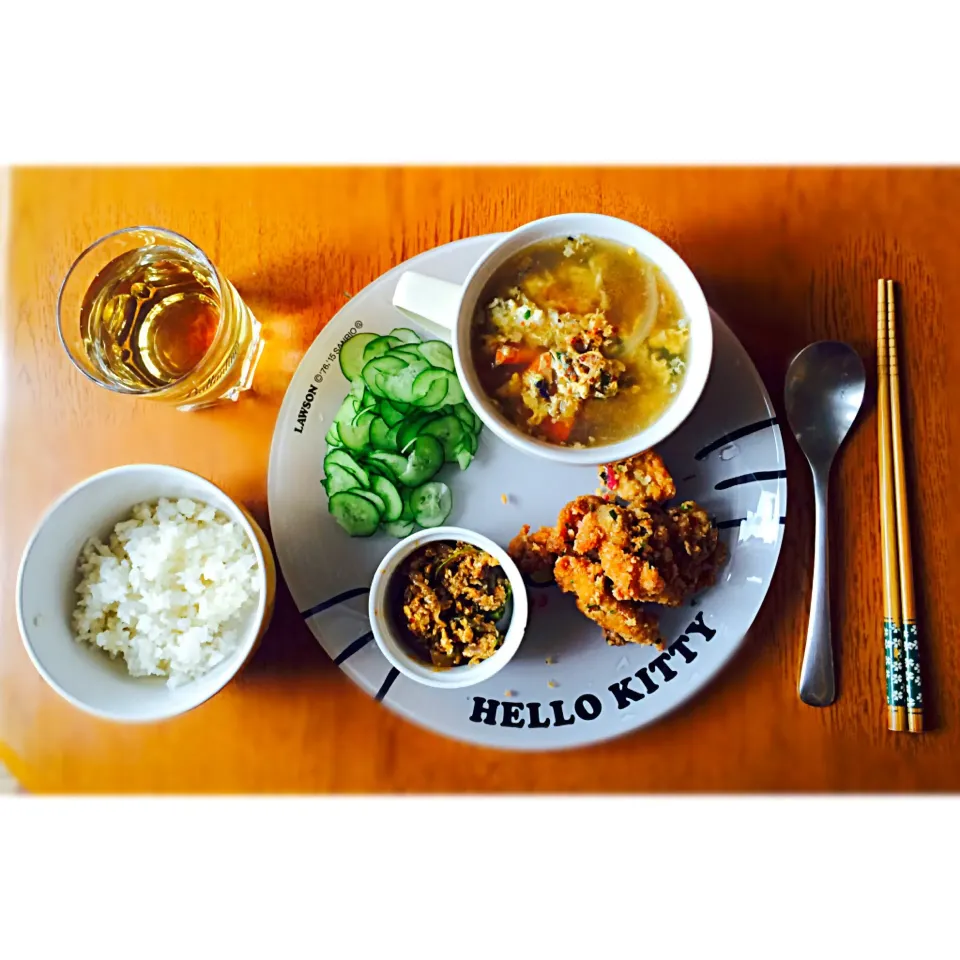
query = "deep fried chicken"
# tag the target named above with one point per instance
(622, 622)
(615, 557)
(643, 478)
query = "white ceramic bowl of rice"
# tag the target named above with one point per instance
(142, 592)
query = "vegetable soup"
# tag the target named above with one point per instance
(580, 341)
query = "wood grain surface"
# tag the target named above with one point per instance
(787, 256)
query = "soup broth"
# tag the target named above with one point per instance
(580, 341)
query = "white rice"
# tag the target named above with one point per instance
(168, 593)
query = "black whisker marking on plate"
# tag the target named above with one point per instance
(387, 684)
(333, 601)
(751, 478)
(727, 524)
(734, 435)
(692, 476)
(352, 648)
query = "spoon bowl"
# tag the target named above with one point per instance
(823, 394)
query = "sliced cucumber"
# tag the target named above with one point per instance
(342, 458)
(399, 386)
(408, 351)
(392, 437)
(356, 436)
(423, 383)
(378, 347)
(392, 461)
(356, 514)
(388, 493)
(399, 528)
(357, 389)
(390, 413)
(364, 409)
(351, 354)
(375, 370)
(338, 479)
(410, 429)
(424, 460)
(381, 436)
(470, 442)
(435, 397)
(373, 498)
(454, 390)
(465, 415)
(404, 414)
(431, 504)
(449, 431)
(439, 354)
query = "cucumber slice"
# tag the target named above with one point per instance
(333, 438)
(362, 410)
(408, 351)
(351, 354)
(378, 347)
(424, 461)
(454, 390)
(357, 515)
(380, 435)
(392, 461)
(399, 528)
(356, 436)
(438, 354)
(433, 401)
(373, 498)
(423, 383)
(405, 334)
(357, 389)
(463, 458)
(392, 437)
(342, 458)
(410, 429)
(469, 442)
(374, 371)
(449, 431)
(431, 504)
(465, 415)
(388, 493)
(390, 413)
(399, 386)
(338, 479)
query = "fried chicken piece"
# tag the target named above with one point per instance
(568, 523)
(642, 478)
(534, 553)
(622, 622)
(683, 546)
(650, 555)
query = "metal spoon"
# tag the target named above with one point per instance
(823, 393)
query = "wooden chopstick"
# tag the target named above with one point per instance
(893, 659)
(908, 613)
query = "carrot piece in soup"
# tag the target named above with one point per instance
(510, 354)
(557, 431)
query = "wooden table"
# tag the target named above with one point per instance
(786, 256)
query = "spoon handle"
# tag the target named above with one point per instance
(816, 686)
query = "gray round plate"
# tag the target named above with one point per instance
(565, 687)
